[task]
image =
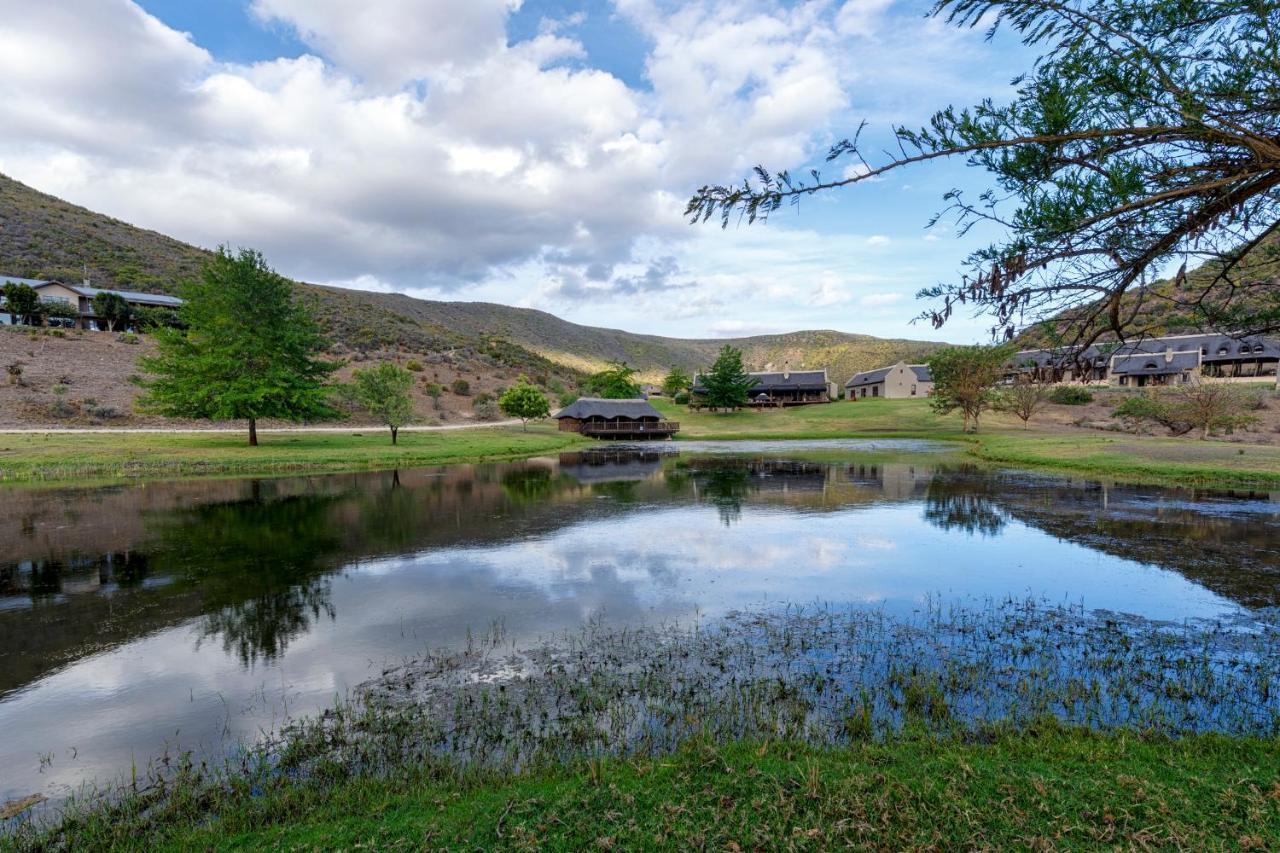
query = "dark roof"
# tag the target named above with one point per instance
(1156, 363)
(130, 295)
(598, 407)
(33, 282)
(871, 377)
(778, 380)
(1215, 347)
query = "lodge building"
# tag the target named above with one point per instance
(1169, 360)
(600, 418)
(782, 388)
(79, 297)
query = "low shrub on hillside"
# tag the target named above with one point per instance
(413, 365)
(1070, 395)
(461, 387)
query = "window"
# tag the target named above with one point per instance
(875, 390)
(55, 299)
(913, 390)
(864, 392)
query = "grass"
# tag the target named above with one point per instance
(1018, 724)
(1003, 441)
(1039, 789)
(54, 456)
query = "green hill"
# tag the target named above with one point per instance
(44, 237)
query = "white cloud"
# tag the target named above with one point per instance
(878, 240)
(877, 300)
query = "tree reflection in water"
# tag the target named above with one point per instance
(260, 566)
(963, 499)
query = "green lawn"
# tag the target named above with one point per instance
(1050, 788)
(1001, 440)
(60, 456)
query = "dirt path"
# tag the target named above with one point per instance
(261, 430)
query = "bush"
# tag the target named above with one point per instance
(414, 365)
(1070, 395)
(127, 338)
(461, 387)
(104, 413)
(487, 410)
(682, 398)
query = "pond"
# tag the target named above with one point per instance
(149, 619)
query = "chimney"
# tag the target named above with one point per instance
(786, 370)
(1168, 355)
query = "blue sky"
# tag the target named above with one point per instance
(534, 153)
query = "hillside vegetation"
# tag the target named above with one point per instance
(44, 237)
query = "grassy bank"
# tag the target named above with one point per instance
(55, 456)
(1002, 440)
(1042, 788)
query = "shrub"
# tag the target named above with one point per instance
(1070, 395)
(127, 338)
(105, 413)
(682, 398)
(487, 410)
(414, 365)
(461, 387)
(15, 373)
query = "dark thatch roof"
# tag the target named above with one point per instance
(597, 407)
(771, 381)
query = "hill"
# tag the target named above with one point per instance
(44, 237)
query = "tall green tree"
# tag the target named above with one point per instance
(615, 382)
(726, 384)
(1146, 135)
(965, 378)
(383, 392)
(525, 402)
(22, 303)
(249, 350)
(113, 309)
(676, 381)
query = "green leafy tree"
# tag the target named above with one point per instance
(383, 392)
(22, 304)
(113, 309)
(676, 381)
(615, 382)
(62, 310)
(964, 378)
(525, 402)
(435, 391)
(726, 384)
(249, 351)
(1143, 136)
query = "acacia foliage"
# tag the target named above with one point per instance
(249, 350)
(1145, 138)
(524, 401)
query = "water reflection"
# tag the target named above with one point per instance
(116, 601)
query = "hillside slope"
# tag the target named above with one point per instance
(44, 237)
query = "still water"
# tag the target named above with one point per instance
(140, 619)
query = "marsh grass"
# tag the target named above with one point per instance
(822, 677)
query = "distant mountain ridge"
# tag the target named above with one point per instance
(42, 236)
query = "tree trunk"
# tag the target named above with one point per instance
(394, 432)
(524, 425)
(253, 432)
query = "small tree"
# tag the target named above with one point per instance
(23, 304)
(1213, 406)
(1023, 399)
(676, 381)
(964, 378)
(249, 351)
(112, 308)
(725, 386)
(435, 391)
(61, 310)
(383, 391)
(615, 382)
(525, 402)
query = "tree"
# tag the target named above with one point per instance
(249, 351)
(383, 391)
(726, 384)
(1022, 399)
(113, 308)
(964, 378)
(676, 381)
(1145, 134)
(525, 402)
(615, 382)
(23, 304)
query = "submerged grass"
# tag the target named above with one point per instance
(1045, 720)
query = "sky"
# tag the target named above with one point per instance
(535, 153)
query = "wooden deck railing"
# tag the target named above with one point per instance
(638, 428)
